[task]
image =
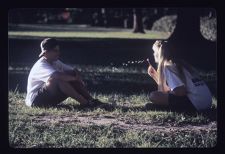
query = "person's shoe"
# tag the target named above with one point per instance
(89, 104)
(97, 102)
(151, 106)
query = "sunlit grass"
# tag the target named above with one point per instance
(127, 124)
(112, 35)
(28, 129)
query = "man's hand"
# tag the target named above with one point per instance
(77, 74)
(80, 79)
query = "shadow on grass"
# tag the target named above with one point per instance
(209, 114)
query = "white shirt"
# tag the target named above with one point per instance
(197, 91)
(39, 75)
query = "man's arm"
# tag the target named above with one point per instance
(76, 71)
(73, 72)
(63, 76)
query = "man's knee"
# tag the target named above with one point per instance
(53, 85)
(52, 82)
(73, 73)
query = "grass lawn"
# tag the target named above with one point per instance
(70, 31)
(126, 125)
(123, 122)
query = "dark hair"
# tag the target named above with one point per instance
(48, 43)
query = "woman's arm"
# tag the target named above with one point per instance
(164, 88)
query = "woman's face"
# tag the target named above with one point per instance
(156, 52)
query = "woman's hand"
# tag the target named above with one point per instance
(153, 73)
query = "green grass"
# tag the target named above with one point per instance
(76, 31)
(125, 125)
(64, 127)
(62, 34)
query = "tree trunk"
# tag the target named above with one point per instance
(137, 24)
(188, 42)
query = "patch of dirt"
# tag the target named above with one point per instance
(86, 120)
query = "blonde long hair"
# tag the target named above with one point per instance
(166, 55)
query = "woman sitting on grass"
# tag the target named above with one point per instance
(179, 85)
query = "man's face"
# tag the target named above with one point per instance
(53, 54)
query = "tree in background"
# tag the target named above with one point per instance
(136, 18)
(137, 21)
(188, 41)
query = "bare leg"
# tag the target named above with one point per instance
(79, 86)
(81, 89)
(159, 98)
(67, 89)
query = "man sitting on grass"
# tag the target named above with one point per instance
(50, 81)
